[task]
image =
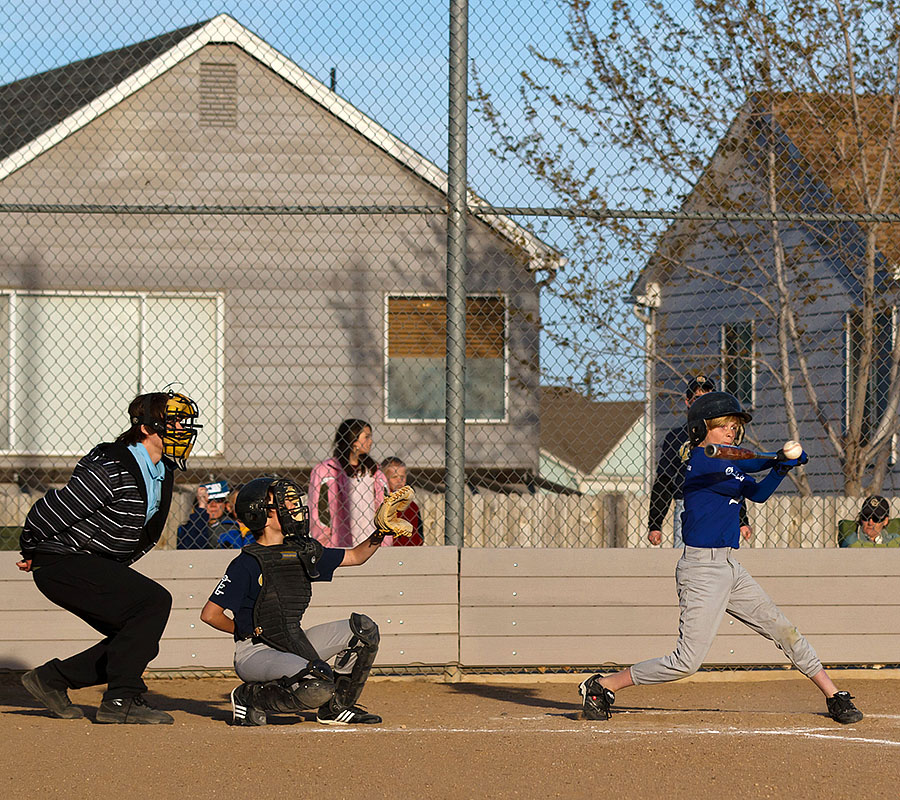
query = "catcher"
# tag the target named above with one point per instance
(268, 587)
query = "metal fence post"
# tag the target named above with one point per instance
(454, 436)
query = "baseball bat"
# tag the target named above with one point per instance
(732, 453)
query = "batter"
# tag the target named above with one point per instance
(709, 579)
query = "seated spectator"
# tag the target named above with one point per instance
(395, 472)
(208, 526)
(872, 528)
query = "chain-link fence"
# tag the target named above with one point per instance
(254, 207)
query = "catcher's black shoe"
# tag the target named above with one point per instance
(596, 700)
(242, 710)
(131, 711)
(56, 700)
(841, 708)
(329, 715)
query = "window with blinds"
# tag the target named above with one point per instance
(416, 353)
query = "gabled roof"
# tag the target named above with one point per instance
(40, 111)
(582, 432)
(822, 129)
(32, 106)
(817, 169)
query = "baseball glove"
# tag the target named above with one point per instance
(387, 523)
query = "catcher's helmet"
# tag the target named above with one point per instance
(711, 406)
(253, 504)
(177, 428)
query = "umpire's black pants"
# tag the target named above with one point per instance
(128, 608)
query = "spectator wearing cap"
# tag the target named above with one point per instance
(209, 526)
(872, 528)
(670, 472)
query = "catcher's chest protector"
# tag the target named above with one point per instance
(285, 594)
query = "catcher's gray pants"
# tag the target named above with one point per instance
(261, 663)
(710, 583)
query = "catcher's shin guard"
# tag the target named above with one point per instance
(364, 647)
(596, 700)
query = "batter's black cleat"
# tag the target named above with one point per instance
(596, 700)
(242, 710)
(329, 715)
(131, 711)
(56, 700)
(841, 708)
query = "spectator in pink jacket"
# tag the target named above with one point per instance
(346, 489)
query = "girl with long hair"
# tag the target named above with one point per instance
(346, 489)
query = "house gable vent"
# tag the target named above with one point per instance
(218, 95)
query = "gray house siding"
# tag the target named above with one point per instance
(693, 310)
(303, 295)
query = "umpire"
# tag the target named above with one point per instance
(78, 543)
(670, 472)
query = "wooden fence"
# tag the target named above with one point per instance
(508, 608)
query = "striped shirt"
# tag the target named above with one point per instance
(101, 510)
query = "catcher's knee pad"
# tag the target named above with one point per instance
(365, 629)
(313, 686)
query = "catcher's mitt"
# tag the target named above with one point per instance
(387, 523)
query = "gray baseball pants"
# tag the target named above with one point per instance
(260, 663)
(710, 583)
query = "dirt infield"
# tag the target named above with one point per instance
(739, 738)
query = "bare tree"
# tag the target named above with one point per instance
(771, 131)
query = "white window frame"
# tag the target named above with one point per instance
(504, 420)
(217, 413)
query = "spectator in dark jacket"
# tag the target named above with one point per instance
(78, 543)
(210, 526)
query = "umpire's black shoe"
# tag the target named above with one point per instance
(132, 711)
(242, 710)
(55, 699)
(841, 708)
(330, 715)
(596, 700)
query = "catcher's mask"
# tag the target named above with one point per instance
(177, 429)
(280, 495)
(290, 505)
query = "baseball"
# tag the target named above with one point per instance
(792, 449)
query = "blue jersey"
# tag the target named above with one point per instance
(713, 490)
(239, 588)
